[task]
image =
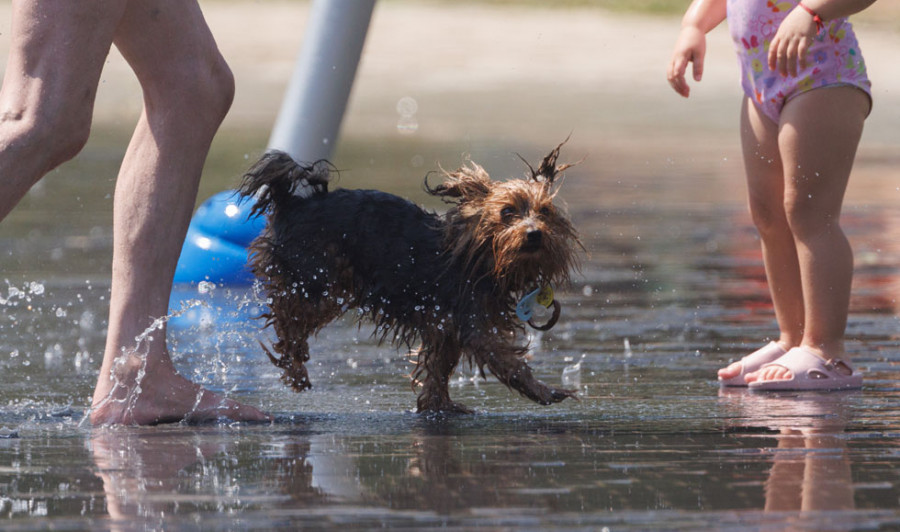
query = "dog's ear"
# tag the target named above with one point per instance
(463, 185)
(548, 170)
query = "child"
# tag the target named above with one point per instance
(807, 96)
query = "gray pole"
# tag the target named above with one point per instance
(310, 117)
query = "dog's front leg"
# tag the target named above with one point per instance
(437, 360)
(507, 364)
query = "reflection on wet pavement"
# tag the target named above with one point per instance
(799, 462)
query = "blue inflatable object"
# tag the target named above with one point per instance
(212, 279)
(215, 249)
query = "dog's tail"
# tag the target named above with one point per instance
(277, 176)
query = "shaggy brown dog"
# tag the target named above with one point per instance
(447, 283)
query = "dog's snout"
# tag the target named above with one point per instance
(534, 236)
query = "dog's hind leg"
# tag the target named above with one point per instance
(507, 364)
(292, 344)
(295, 320)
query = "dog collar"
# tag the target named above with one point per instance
(543, 296)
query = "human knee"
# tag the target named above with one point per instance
(205, 93)
(71, 137)
(216, 90)
(58, 135)
(807, 217)
(768, 216)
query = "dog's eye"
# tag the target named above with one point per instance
(545, 211)
(508, 211)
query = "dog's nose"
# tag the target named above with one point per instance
(533, 237)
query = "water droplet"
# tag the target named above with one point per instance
(407, 106)
(571, 375)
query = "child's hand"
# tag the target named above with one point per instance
(689, 48)
(787, 53)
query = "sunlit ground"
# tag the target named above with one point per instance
(671, 287)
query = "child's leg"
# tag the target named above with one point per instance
(817, 139)
(765, 183)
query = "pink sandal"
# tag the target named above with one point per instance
(752, 362)
(811, 372)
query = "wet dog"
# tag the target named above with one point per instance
(448, 284)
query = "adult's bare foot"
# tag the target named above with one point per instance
(139, 392)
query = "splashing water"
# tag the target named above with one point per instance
(139, 352)
(571, 374)
(15, 294)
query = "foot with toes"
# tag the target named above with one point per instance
(775, 367)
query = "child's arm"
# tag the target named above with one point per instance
(701, 17)
(788, 49)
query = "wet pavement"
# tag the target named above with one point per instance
(667, 293)
(791, 466)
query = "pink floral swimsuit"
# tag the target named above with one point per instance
(834, 57)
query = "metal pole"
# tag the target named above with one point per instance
(310, 117)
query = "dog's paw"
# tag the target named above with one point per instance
(444, 407)
(556, 395)
(457, 408)
(537, 391)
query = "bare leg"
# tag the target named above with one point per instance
(765, 183)
(49, 88)
(187, 91)
(818, 149)
(46, 102)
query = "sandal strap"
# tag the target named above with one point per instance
(811, 371)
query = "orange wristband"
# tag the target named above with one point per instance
(820, 24)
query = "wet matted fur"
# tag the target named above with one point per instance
(444, 286)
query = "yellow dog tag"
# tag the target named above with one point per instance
(545, 297)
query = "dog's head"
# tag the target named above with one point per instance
(514, 228)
